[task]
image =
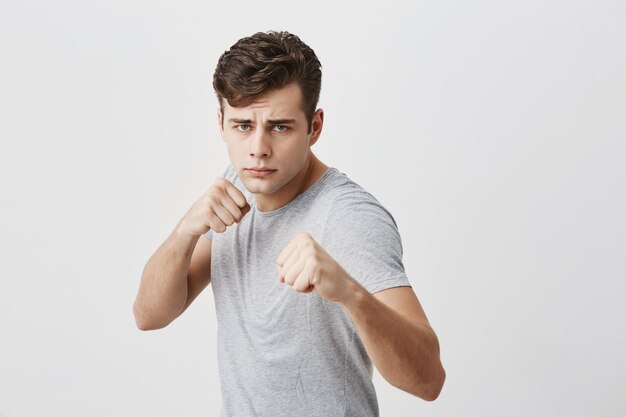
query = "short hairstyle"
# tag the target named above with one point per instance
(265, 61)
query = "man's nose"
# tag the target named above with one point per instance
(259, 144)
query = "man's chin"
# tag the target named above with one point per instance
(256, 188)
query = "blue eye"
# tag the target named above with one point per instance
(241, 128)
(281, 128)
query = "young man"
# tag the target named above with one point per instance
(306, 265)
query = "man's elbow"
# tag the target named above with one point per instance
(432, 391)
(427, 390)
(143, 323)
(145, 326)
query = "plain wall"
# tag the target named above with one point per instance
(494, 132)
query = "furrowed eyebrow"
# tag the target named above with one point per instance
(271, 122)
(245, 121)
(281, 121)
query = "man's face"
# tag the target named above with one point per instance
(271, 133)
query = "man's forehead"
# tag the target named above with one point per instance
(265, 109)
(284, 102)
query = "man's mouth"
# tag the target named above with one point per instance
(260, 172)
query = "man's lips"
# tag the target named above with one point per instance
(260, 172)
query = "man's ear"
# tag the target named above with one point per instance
(316, 126)
(219, 119)
(220, 122)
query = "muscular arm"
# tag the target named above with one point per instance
(181, 267)
(391, 323)
(172, 278)
(398, 339)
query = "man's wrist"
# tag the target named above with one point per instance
(356, 296)
(182, 233)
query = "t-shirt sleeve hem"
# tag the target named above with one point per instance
(401, 281)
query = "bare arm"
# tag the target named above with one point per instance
(398, 339)
(391, 323)
(164, 287)
(181, 267)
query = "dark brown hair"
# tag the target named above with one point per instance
(265, 61)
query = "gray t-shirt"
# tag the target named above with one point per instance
(286, 353)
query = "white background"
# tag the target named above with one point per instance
(493, 131)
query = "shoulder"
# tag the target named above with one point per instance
(230, 174)
(348, 198)
(362, 236)
(356, 216)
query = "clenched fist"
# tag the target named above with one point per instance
(219, 207)
(306, 266)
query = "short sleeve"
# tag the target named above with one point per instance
(363, 237)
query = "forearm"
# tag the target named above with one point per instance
(163, 288)
(405, 353)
